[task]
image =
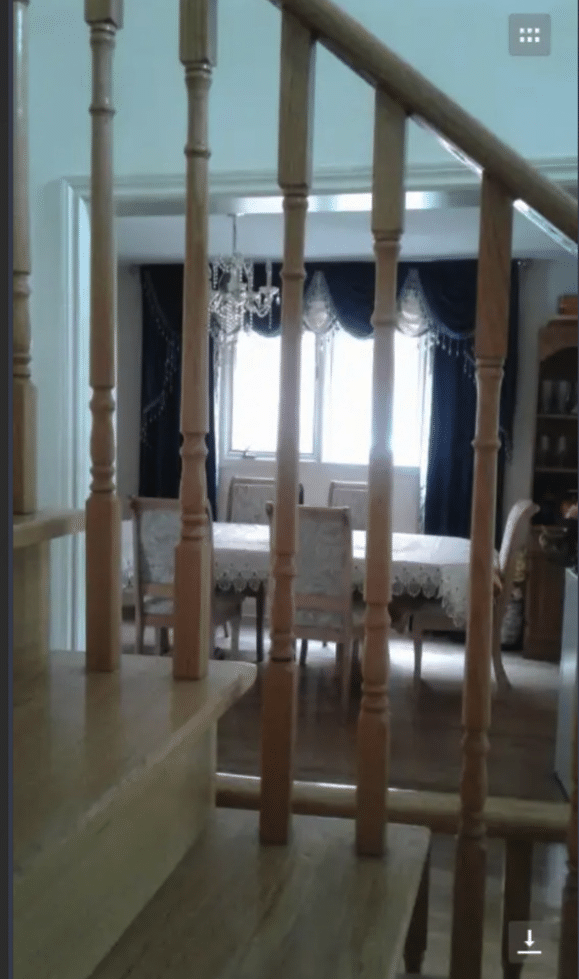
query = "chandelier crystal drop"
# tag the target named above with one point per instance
(233, 301)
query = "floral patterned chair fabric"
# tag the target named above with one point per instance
(324, 607)
(354, 496)
(247, 500)
(248, 496)
(156, 533)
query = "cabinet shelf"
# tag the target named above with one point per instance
(551, 485)
(556, 418)
(568, 470)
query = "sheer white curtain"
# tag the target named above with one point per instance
(413, 322)
(348, 400)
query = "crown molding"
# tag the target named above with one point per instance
(165, 193)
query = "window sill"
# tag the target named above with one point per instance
(308, 461)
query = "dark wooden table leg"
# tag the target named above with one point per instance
(259, 616)
(416, 938)
(516, 896)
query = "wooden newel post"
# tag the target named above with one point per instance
(568, 950)
(103, 510)
(24, 401)
(193, 577)
(294, 175)
(373, 724)
(492, 319)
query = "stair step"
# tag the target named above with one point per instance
(113, 782)
(234, 909)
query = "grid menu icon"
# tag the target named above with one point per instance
(530, 34)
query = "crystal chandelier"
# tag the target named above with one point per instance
(233, 301)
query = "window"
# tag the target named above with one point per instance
(255, 372)
(336, 398)
(348, 401)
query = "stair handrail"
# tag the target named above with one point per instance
(458, 131)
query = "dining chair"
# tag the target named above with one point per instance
(354, 496)
(156, 533)
(324, 607)
(431, 617)
(246, 503)
(247, 497)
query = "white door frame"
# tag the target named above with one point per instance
(154, 195)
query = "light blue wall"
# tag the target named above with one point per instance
(461, 46)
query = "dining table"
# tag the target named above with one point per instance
(423, 565)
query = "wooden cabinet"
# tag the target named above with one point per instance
(554, 481)
(567, 708)
(543, 603)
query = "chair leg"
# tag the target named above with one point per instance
(303, 652)
(164, 645)
(259, 616)
(139, 638)
(235, 627)
(503, 682)
(417, 935)
(346, 678)
(417, 640)
(225, 631)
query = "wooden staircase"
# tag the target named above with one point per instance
(121, 865)
(311, 908)
(114, 780)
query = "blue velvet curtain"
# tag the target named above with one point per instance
(160, 441)
(449, 291)
(451, 296)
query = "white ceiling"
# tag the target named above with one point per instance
(431, 232)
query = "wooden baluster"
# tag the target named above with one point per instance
(516, 896)
(23, 391)
(193, 626)
(568, 943)
(294, 176)
(103, 509)
(492, 318)
(373, 723)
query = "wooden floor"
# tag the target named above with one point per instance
(425, 733)
(426, 754)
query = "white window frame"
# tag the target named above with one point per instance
(225, 414)
(224, 411)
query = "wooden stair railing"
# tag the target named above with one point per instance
(429, 106)
(103, 507)
(193, 627)
(24, 401)
(294, 174)
(506, 179)
(373, 723)
(519, 823)
(491, 337)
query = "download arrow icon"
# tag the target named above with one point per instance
(528, 943)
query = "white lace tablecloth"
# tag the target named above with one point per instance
(436, 567)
